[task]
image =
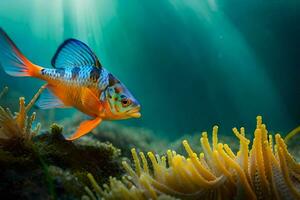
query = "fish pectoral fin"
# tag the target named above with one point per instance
(49, 100)
(85, 127)
(91, 101)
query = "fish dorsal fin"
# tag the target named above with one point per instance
(74, 53)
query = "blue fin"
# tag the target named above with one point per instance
(74, 53)
(48, 100)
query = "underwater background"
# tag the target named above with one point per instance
(191, 64)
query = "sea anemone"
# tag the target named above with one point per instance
(265, 171)
(18, 126)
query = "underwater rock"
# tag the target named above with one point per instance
(85, 155)
(56, 168)
(265, 171)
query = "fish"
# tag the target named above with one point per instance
(77, 80)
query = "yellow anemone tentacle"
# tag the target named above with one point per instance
(266, 170)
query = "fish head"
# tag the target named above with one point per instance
(121, 103)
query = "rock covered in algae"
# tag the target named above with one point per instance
(54, 167)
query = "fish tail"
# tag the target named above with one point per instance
(13, 61)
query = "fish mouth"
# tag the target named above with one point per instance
(135, 113)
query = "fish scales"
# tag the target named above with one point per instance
(83, 76)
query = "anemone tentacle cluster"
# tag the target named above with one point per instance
(265, 171)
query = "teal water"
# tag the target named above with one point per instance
(191, 64)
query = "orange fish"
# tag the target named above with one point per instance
(77, 80)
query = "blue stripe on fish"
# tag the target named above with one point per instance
(60, 71)
(85, 76)
(43, 71)
(75, 72)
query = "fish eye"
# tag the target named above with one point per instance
(125, 102)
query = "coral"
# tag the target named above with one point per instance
(18, 128)
(266, 171)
